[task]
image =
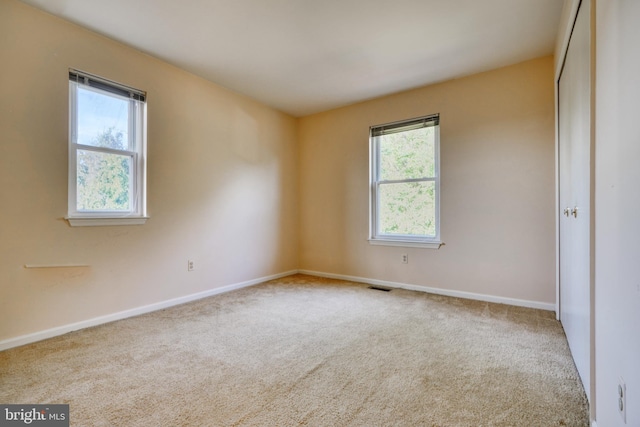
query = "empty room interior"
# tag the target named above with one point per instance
(320, 213)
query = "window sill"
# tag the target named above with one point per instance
(432, 244)
(96, 221)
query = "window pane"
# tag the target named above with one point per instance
(407, 155)
(407, 208)
(103, 120)
(104, 181)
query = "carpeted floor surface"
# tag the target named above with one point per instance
(308, 351)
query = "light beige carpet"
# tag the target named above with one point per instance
(313, 352)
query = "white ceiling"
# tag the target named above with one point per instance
(306, 56)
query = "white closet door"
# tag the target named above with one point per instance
(574, 192)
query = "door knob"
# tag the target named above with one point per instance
(566, 212)
(574, 212)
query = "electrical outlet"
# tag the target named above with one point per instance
(622, 399)
(190, 265)
(405, 259)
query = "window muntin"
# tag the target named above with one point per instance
(405, 181)
(106, 149)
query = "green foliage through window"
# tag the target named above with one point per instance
(104, 179)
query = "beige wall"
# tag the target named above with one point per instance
(219, 183)
(497, 188)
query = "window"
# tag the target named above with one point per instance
(405, 183)
(107, 149)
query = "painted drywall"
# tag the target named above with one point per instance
(219, 183)
(617, 198)
(497, 188)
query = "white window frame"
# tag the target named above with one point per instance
(138, 153)
(375, 236)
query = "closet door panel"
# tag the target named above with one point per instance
(574, 193)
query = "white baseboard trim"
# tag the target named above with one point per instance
(438, 291)
(61, 330)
